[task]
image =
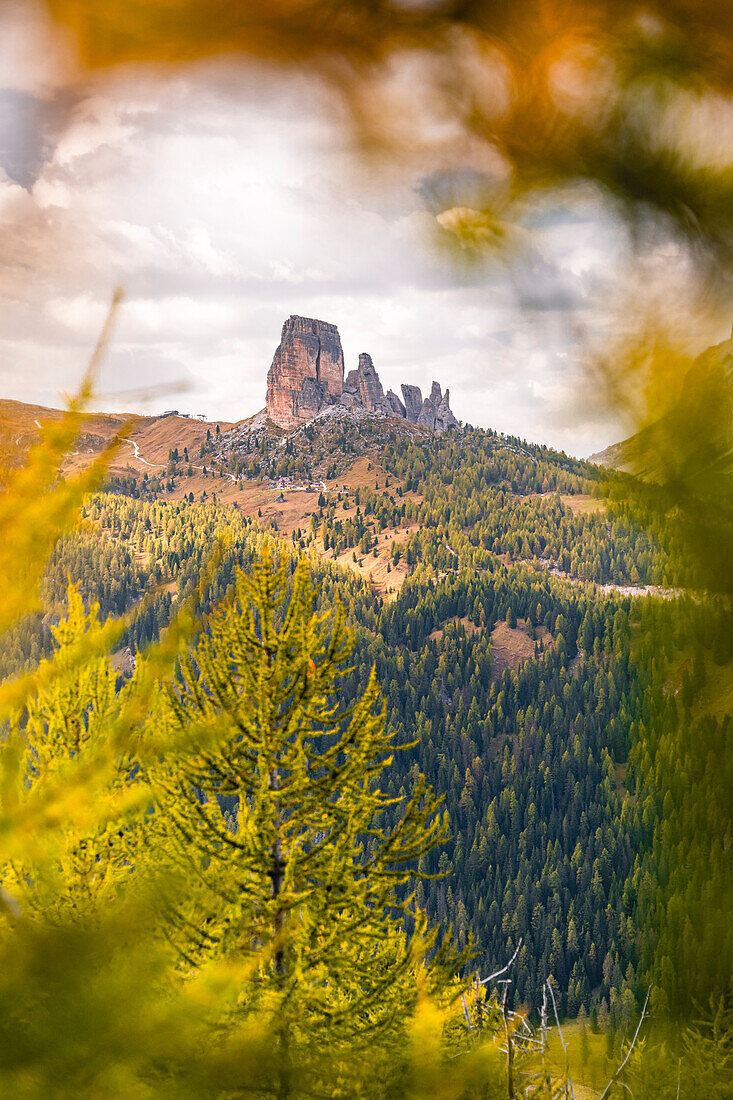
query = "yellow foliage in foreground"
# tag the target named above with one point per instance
(98, 997)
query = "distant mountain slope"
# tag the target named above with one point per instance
(638, 451)
(155, 436)
(612, 457)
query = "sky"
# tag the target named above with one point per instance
(222, 202)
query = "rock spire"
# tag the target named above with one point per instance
(307, 371)
(307, 379)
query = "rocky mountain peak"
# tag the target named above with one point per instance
(307, 371)
(395, 405)
(435, 412)
(306, 379)
(370, 388)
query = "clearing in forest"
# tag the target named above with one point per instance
(468, 625)
(510, 646)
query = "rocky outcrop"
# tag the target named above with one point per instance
(307, 371)
(306, 379)
(370, 388)
(444, 417)
(413, 402)
(394, 404)
(362, 387)
(350, 395)
(436, 412)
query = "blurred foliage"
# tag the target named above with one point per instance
(681, 453)
(531, 95)
(37, 506)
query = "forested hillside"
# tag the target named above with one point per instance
(535, 700)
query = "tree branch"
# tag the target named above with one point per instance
(504, 968)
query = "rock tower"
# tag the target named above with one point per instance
(307, 371)
(307, 377)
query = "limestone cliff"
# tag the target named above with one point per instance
(306, 380)
(307, 371)
(413, 402)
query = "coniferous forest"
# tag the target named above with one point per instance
(541, 759)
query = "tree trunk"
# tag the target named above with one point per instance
(284, 1065)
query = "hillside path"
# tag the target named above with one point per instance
(162, 465)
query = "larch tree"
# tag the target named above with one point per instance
(302, 864)
(68, 726)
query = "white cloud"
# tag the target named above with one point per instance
(222, 210)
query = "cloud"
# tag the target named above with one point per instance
(224, 204)
(29, 130)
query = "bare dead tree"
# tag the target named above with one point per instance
(512, 1021)
(509, 1046)
(466, 1013)
(619, 1071)
(498, 973)
(543, 1036)
(478, 1002)
(568, 1082)
(519, 1036)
